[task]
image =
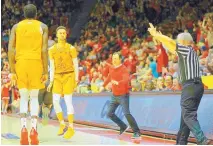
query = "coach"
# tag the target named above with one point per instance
(119, 77)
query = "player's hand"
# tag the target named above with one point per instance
(49, 87)
(152, 30)
(44, 78)
(114, 82)
(13, 79)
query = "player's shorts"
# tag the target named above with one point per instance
(45, 97)
(64, 83)
(29, 74)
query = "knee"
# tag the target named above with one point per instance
(34, 93)
(56, 98)
(24, 93)
(126, 112)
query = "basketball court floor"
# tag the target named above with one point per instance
(85, 135)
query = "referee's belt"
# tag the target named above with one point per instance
(195, 80)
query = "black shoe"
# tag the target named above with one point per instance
(136, 136)
(122, 130)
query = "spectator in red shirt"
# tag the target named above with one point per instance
(120, 78)
(130, 63)
(125, 50)
(162, 58)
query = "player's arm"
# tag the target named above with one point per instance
(11, 49)
(44, 53)
(51, 69)
(169, 43)
(75, 61)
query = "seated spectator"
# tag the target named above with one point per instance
(176, 85)
(149, 86)
(83, 85)
(160, 84)
(136, 86)
(168, 82)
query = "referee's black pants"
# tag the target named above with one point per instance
(190, 99)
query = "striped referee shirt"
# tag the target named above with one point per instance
(188, 63)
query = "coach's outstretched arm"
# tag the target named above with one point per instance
(168, 42)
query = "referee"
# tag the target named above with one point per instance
(193, 88)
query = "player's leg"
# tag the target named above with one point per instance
(24, 94)
(57, 90)
(68, 86)
(41, 95)
(46, 106)
(34, 74)
(70, 115)
(34, 107)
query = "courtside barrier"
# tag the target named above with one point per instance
(158, 112)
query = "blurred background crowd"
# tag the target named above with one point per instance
(119, 25)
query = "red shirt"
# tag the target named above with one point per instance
(121, 75)
(162, 60)
(131, 65)
(16, 93)
(125, 51)
(5, 92)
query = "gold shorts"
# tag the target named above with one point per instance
(29, 74)
(64, 83)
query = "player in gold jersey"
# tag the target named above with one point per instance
(63, 78)
(28, 59)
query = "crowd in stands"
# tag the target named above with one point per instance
(121, 26)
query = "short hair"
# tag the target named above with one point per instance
(30, 11)
(151, 59)
(60, 27)
(119, 54)
(185, 36)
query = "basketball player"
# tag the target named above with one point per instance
(44, 97)
(45, 103)
(28, 62)
(63, 78)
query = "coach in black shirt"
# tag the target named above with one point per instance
(193, 88)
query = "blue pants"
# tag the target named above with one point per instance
(122, 100)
